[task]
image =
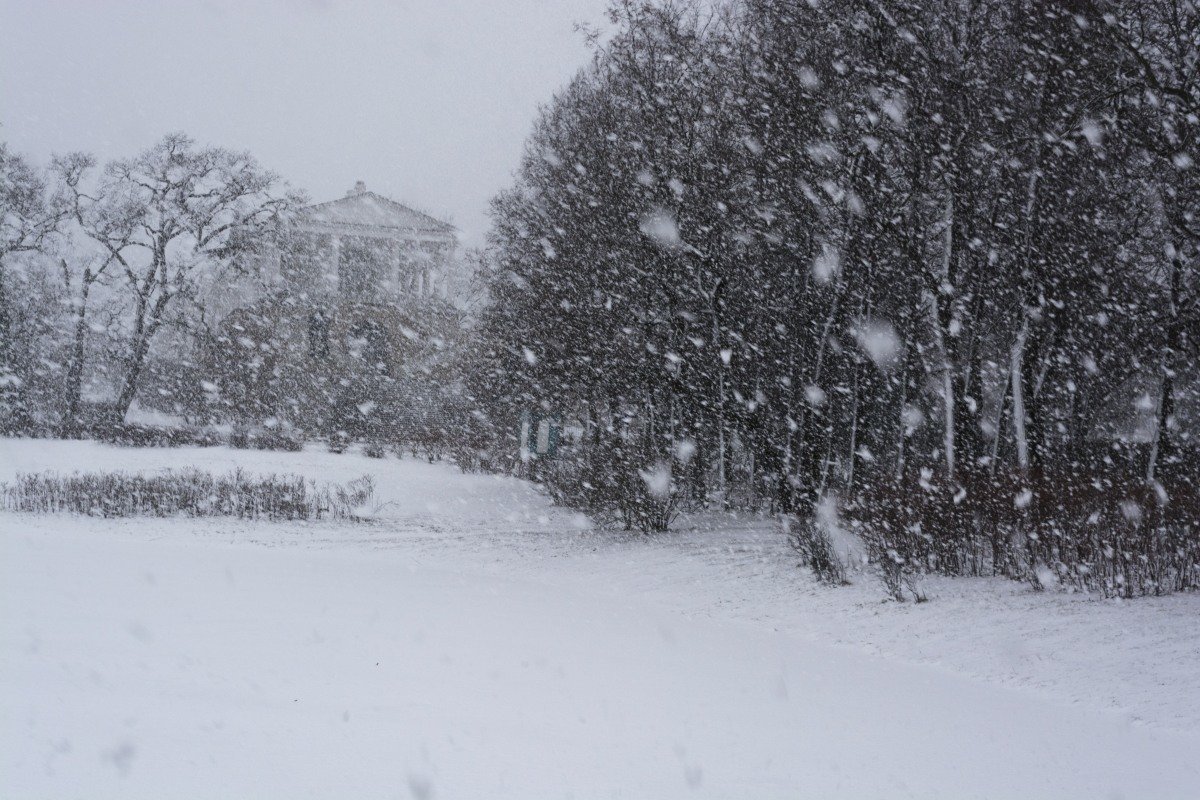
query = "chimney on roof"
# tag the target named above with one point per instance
(360, 187)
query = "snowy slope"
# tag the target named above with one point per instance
(475, 642)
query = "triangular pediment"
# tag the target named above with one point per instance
(370, 210)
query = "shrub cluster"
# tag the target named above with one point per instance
(1107, 533)
(621, 480)
(265, 439)
(129, 434)
(191, 493)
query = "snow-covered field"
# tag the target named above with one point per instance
(474, 641)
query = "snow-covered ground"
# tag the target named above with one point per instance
(474, 641)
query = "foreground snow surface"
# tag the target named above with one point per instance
(473, 641)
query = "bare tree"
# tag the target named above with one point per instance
(82, 265)
(171, 219)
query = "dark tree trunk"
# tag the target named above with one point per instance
(71, 427)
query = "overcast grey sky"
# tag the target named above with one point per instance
(428, 101)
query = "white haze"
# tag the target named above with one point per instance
(427, 102)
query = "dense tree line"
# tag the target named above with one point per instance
(936, 257)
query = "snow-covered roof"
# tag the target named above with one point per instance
(364, 209)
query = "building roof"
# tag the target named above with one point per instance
(361, 208)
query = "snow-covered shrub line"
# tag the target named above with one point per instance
(190, 492)
(1111, 534)
(137, 435)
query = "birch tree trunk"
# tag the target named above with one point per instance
(1016, 371)
(1166, 390)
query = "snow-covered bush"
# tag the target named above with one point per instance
(618, 479)
(1083, 531)
(816, 549)
(648, 500)
(135, 435)
(246, 438)
(190, 493)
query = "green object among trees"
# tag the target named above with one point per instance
(539, 435)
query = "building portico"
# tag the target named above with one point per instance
(378, 249)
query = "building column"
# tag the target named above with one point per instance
(399, 265)
(336, 280)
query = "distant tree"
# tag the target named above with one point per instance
(171, 219)
(28, 220)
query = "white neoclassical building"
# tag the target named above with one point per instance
(371, 249)
(355, 301)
